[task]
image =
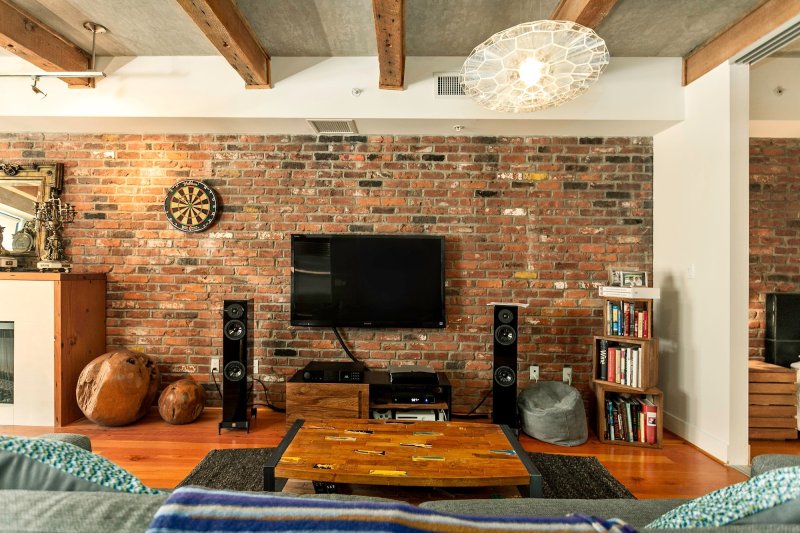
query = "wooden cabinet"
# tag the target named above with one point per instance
(59, 325)
(625, 373)
(773, 404)
(321, 401)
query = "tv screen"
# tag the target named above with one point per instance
(368, 281)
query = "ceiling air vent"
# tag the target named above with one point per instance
(771, 45)
(333, 125)
(448, 84)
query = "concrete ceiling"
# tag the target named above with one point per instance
(634, 28)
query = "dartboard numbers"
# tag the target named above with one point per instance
(191, 205)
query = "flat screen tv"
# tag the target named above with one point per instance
(378, 281)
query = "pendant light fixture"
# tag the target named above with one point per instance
(534, 65)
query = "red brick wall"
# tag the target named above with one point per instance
(774, 228)
(535, 220)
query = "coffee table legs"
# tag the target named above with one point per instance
(271, 484)
(534, 488)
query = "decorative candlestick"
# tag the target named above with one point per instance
(52, 214)
(6, 262)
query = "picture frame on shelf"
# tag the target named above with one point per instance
(634, 279)
(626, 278)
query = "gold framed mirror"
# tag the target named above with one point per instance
(21, 187)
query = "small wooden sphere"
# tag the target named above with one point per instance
(117, 388)
(181, 402)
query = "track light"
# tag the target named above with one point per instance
(36, 90)
(93, 27)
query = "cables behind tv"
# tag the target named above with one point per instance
(346, 349)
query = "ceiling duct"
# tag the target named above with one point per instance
(771, 45)
(449, 84)
(325, 125)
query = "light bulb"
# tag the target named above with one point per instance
(531, 71)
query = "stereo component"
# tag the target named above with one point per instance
(416, 374)
(333, 372)
(383, 392)
(415, 414)
(237, 341)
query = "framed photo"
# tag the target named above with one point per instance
(615, 278)
(634, 279)
(627, 278)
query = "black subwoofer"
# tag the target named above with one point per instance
(237, 319)
(504, 375)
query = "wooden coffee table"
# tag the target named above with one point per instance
(402, 453)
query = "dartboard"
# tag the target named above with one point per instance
(191, 205)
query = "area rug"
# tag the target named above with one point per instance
(563, 476)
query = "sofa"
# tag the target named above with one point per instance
(70, 510)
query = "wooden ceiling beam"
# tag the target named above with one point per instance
(228, 31)
(589, 13)
(28, 38)
(765, 18)
(390, 34)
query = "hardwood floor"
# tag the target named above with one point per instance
(787, 447)
(161, 455)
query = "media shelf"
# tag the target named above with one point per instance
(318, 401)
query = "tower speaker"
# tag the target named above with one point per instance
(237, 319)
(504, 386)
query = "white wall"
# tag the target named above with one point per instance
(635, 96)
(775, 98)
(700, 246)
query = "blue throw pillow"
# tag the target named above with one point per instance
(44, 464)
(736, 503)
(197, 509)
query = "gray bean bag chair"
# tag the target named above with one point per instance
(553, 412)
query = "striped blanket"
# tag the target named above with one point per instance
(197, 509)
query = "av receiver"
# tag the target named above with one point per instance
(333, 372)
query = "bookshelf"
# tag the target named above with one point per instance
(617, 397)
(625, 373)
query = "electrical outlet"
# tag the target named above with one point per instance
(255, 366)
(566, 375)
(534, 372)
(215, 365)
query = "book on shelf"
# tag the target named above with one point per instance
(625, 319)
(603, 354)
(619, 363)
(631, 418)
(643, 293)
(651, 420)
(613, 358)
